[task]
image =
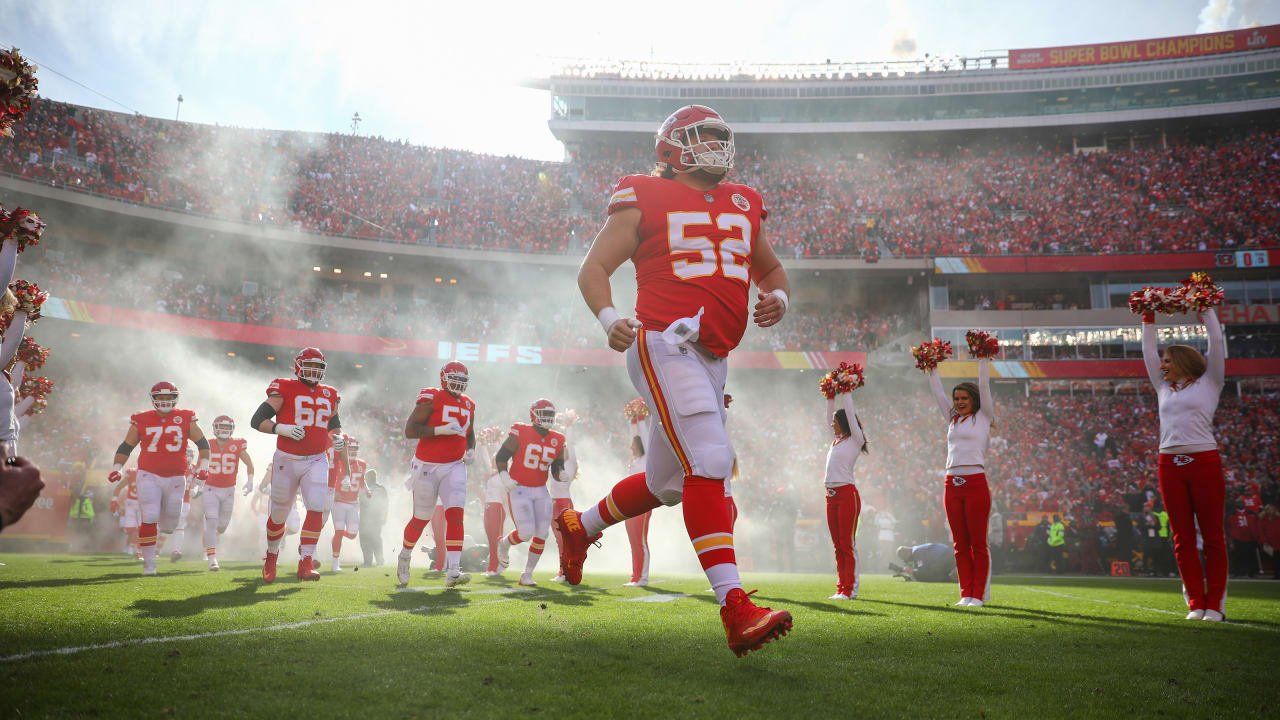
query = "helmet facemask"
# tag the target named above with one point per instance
(164, 401)
(701, 149)
(544, 417)
(310, 371)
(456, 382)
(223, 430)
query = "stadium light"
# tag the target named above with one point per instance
(439, 279)
(316, 268)
(337, 271)
(368, 274)
(231, 354)
(382, 275)
(271, 357)
(358, 365)
(75, 334)
(453, 281)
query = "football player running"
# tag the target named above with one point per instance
(163, 433)
(442, 423)
(219, 497)
(697, 243)
(302, 412)
(537, 449)
(346, 501)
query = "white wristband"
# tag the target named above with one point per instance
(117, 467)
(607, 318)
(782, 295)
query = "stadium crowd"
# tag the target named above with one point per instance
(834, 203)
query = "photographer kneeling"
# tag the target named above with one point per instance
(931, 562)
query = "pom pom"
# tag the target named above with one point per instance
(845, 378)
(489, 435)
(32, 353)
(21, 226)
(982, 344)
(1155, 300)
(1198, 293)
(17, 86)
(30, 298)
(931, 352)
(36, 386)
(636, 411)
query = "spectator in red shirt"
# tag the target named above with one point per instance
(1242, 528)
(1269, 535)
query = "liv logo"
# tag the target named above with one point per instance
(1257, 39)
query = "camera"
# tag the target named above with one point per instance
(899, 571)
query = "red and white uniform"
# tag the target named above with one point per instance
(437, 471)
(162, 465)
(494, 516)
(132, 514)
(967, 497)
(844, 504)
(1190, 469)
(529, 502)
(219, 496)
(301, 466)
(346, 503)
(695, 253)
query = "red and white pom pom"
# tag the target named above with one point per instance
(636, 410)
(30, 298)
(1199, 293)
(982, 344)
(22, 226)
(930, 353)
(489, 435)
(32, 353)
(36, 386)
(17, 86)
(1150, 300)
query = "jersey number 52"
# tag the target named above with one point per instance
(731, 258)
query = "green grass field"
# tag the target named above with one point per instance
(87, 636)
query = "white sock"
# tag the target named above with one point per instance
(406, 553)
(532, 562)
(723, 578)
(306, 551)
(452, 560)
(592, 522)
(149, 553)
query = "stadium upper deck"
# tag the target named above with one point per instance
(1145, 80)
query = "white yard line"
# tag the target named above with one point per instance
(1128, 605)
(71, 650)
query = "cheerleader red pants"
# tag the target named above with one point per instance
(494, 515)
(843, 507)
(968, 502)
(638, 534)
(1194, 491)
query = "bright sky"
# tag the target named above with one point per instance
(446, 73)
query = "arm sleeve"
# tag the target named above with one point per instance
(502, 457)
(8, 261)
(334, 422)
(1217, 356)
(984, 389)
(940, 395)
(13, 339)
(855, 432)
(1151, 355)
(264, 412)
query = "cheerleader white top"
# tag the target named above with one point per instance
(1186, 412)
(967, 435)
(559, 489)
(843, 453)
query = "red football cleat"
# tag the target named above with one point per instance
(569, 523)
(269, 567)
(307, 569)
(749, 627)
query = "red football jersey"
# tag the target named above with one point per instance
(162, 441)
(224, 462)
(357, 484)
(695, 251)
(445, 407)
(534, 454)
(310, 406)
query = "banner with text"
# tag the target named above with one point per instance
(1146, 50)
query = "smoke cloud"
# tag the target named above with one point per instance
(1214, 16)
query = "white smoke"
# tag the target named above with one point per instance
(902, 30)
(1214, 16)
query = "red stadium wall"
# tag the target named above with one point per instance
(77, 311)
(1167, 48)
(1106, 263)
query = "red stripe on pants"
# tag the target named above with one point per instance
(638, 534)
(1195, 491)
(494, 516)
(844, 505)
(968, 502)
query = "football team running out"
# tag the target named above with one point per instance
(697, 243)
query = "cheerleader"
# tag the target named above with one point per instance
(638, 526)
(967, 499)
(494, 515)
(1190, 469)
(9, 426)
(843, 502)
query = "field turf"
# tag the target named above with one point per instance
(87, 636)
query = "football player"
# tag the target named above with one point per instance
(302, 412)
(219, 497)
(442, 422)
(537, 449)
(346, 501)
(697, 243)
(163, 434)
